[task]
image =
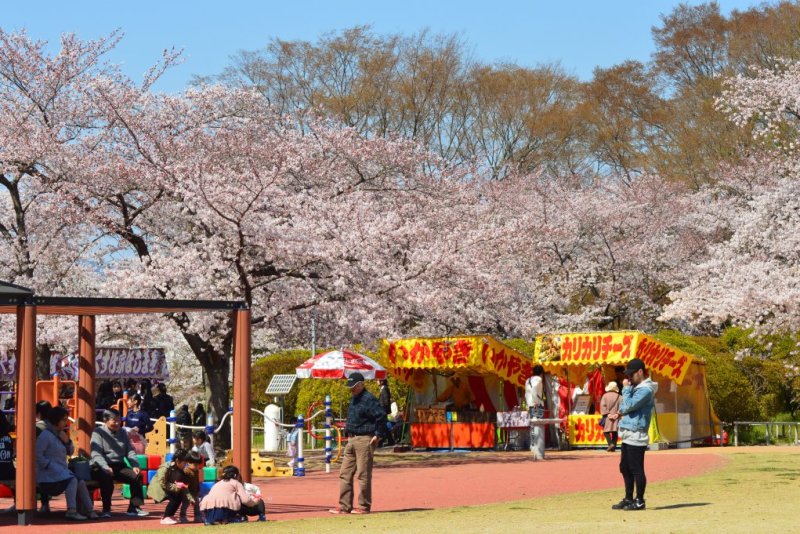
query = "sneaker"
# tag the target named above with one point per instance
(93, 515)
(134, 511)
(638, 504)
(45, 509)
(105, 514)
(168, 521)
(621, 504)
(338, 511)
(359, 511)
(262, 518)
(75, 516)
(183, 519)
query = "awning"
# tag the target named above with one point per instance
(471, 354)
(612, 348)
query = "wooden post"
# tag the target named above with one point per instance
(241, 393)
(85, 414)
(26, 408)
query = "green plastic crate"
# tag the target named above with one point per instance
(209, 474)
(126, 490)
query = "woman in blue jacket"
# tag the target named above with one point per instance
(52, 473)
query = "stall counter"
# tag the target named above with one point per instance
(464, 435)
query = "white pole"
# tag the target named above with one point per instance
(172, 431)
(300, 470)
(230, 424)
(313, 337)
(328, 437)
(210, 428)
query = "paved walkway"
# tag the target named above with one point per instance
(422, 482)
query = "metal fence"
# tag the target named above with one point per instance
(771, 429)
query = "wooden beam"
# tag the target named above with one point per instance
(77, 310)
(241, 393)
(85, 409)
(26, 408)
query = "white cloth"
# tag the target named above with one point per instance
(534, 391)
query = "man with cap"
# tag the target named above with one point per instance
(635, 409)
(366, 425)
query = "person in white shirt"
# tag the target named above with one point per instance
(534, 398)
(203, 448)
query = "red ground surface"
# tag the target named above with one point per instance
(468, 479)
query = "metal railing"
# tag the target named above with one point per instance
(766, 425)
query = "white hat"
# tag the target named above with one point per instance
(612, 386)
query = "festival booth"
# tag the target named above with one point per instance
(581, 364)
(458, 385)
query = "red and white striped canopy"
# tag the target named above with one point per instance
(340, 364)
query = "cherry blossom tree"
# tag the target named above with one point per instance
(210, 193)
(752, 276)
(594, 254)
(47, 119)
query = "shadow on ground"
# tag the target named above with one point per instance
(681, 505)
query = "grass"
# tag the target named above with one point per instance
(757, 490)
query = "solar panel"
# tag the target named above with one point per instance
(280, 384)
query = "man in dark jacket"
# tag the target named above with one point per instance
(366, 425)
(163, 401)
(184, 419)
(113, 458)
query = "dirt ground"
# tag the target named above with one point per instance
(405, 482)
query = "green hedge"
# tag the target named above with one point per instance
(279, 363)
(310, 390)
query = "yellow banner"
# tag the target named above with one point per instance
(478, 354)
(663, 359)
(615, 348)
(584, 430)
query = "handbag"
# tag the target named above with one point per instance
(602, 421)
(80, 468)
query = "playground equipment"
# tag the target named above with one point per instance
(50, 391)
(158, 438)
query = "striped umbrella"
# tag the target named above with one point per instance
(340, 364)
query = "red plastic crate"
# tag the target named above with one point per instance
(154, 461)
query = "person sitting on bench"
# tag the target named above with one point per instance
(52, 473)
(113, 458)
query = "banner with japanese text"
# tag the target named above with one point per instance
(475, 354)
(115, 363)
(585, 430)
(110, 363)
(615, 348)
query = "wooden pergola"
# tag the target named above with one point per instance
(27, 306)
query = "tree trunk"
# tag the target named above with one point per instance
(43, 362)
(218, 394)
(216, 372)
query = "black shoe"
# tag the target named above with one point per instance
(638, 504)
(622, 505)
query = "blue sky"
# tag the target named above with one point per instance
(580, 34)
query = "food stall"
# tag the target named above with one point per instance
(458, 386)
(581, 364)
